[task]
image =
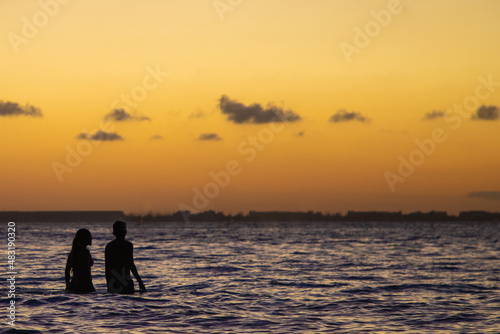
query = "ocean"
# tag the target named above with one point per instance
(266, 278)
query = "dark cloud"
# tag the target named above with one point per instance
(14, 109)
(255, 114)
(156, 137)
(343, 115)
(100, 136)
(209, 136)
(120, 115)
(494, 195)
(435, 114)
(488, 113)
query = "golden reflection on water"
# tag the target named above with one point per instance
(217, 278)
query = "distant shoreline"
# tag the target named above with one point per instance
(252, 216)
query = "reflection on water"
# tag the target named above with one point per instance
(253, 278)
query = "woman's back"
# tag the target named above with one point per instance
(80, 261)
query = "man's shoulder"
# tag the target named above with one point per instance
(111, 245)
(119, 243)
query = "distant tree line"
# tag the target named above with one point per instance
(252, 216)
(311, 216)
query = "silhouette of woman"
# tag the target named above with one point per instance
(80, 261)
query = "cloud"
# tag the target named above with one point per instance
(120, 115)
(343, 115)
(488, 113)
(435, 114)
(14, 109)
(101, 136)
(209, 136)
(156, 137)
(494, 195)
(255, 114)
(198, 114)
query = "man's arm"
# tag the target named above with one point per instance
(133, 269)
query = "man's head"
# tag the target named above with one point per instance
(120, 229)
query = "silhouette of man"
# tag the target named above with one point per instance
(119, 262)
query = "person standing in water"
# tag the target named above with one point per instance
(119, 262)
(79, 262)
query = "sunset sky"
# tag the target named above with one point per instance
(323, 105)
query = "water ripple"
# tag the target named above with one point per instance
(232, 278)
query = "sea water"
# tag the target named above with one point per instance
(266, 278)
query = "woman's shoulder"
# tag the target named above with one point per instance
(84, 252)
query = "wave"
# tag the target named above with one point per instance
(441, 288)
(306, 285)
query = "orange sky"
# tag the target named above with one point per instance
(353, 80)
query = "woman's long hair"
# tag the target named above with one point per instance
(81, 237)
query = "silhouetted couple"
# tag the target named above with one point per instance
(119, 262)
